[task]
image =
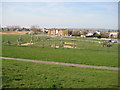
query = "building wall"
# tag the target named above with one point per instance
(53, 32)
(114, 34)
(49, 31)
(59, 32)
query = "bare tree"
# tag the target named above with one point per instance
(65, 32)
(31, 39)
(37, 38)
(84, 32)
(13, 28)
(8, 42)
(73, 43)
(34, 28)
(76, 33)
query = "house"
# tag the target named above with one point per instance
(51, 31)
(113, 35)
(98, 32)
(83, 36)
(59, 32)
(90, 34)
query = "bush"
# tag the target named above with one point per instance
(104, 35)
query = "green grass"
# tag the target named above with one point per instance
(87, 52)
(13, 38)
(19, 74)
(79, 44)
(78, 56)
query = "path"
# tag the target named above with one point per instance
(67, 64)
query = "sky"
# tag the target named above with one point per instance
(102, 15)
(59, 0)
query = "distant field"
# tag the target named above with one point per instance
(13, 32)
(19, 74)
(88, 53)
(79, 42)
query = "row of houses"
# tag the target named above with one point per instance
(69, 32)
(82, 33)
(59, 32)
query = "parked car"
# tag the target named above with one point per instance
(113, 41)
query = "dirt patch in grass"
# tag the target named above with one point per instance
(69, 43)
(67, 46)
(13, 32)
(25, 44)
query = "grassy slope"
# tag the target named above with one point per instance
(90, 57)
(19, 74)
(89, 53)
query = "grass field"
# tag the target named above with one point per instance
(89, 57)
(89, 53)
(84, 44)
(19, 74)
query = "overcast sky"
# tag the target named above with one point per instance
(61, 14)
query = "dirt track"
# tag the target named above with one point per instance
(66, 64)
(13, 32)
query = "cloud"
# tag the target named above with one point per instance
(60, 14)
